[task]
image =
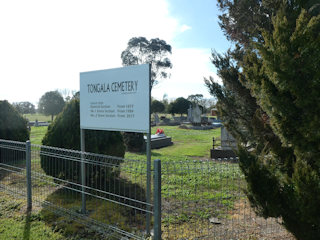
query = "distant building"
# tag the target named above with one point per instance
(214, 112)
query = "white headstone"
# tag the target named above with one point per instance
(196, 115)
(227, 140)
(189, 118)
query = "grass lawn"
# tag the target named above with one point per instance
(37, 116)
(187, 143)
(16, 223)
(37, 133)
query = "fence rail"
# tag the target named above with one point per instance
(193, 199)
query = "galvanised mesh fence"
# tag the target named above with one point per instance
(114, 188)
(205, 199)
(201, 199)
(13, 167)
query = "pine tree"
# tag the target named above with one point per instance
(270, 102)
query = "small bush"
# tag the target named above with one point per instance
(64, 132)
(134, 141)
(12, 125)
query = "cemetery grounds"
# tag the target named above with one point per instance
(201, 198)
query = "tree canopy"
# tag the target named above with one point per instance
(24, 107)
(269, 101)
(157, 106)
(179, 106)
(51, 103)
(154, 51)
(195, 98)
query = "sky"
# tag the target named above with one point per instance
(44, 45)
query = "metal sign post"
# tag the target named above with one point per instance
(149, 160)
(83, 171)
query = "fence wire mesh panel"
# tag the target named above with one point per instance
(201, 199)
(206, 200)
(13, 167)
(114, 189)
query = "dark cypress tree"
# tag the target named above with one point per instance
(270, 102)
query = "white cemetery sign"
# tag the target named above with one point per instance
(116, 99)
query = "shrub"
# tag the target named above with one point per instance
(64, 132)
(12, 127)
(134, 141)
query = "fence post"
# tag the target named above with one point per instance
(28, 171)
(157, 200)
(83, 172)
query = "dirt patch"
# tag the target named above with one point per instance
(240, 222)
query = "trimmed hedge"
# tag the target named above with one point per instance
(12, 125)
(64, 132)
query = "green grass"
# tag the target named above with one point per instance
(17, 223)
(187, 143)
(37, 116)
(37, 133)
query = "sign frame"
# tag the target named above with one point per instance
(116, 99)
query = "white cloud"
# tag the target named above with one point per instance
(184, 28)
(44, 45)
(190, 67)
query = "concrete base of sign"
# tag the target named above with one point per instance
(159, 141)
(219, 153)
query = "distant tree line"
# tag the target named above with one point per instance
(181, 105)
(24, 107)
(51, 103)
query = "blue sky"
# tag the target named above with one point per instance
(202, 18)
(44, 45)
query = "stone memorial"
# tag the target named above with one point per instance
(196, 116)
(189, 118)
(228, 146)
(204, 120)
(227, 140)
(159, 140)
(156, 118)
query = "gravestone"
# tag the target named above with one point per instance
(156, 118)
(196, 115)
(158, 141)
(227, 140)
(204, 120)
(166, 120)
(228, 146)
(189, 118)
